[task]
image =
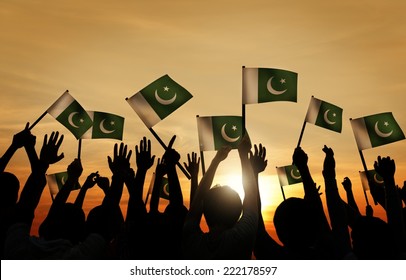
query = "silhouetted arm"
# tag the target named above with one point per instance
(335, 205)
(386, 168)
(89, 183)
(25, 139)
(119, 166)
(265, 246)
(193, 168)
(160, 171)
(32, 191)
(196, 209)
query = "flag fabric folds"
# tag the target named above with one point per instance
(324, 114)
(218, 131)
(376, 130)
(105, 125)
(268, 85)
(288, 175)
(56, 182)
(71, 114)
(374, 178)
(158, 100)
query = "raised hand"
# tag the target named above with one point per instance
(347, 184)
(91, 180)
(385, 167)
(244, 147)
(143, 156)
(23, 138)
(257, 159)
(49, 151)
(193, 164)
(171, 156)
(300, 158)
(329, 163)
(103, 183)
(222, 153)
(75, 169)
(120, 164)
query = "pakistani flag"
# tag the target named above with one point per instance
(374, 178)
(268, 85)
(105, 125)
(325, 114)
(163, 189)
(218, 131)
(158, 100)
(376, 130)
(57, 180)
(288, 175)
(69, 113)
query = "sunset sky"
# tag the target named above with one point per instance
(349, 53)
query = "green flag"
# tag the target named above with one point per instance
(158, 100)
(268, 85)
(374, 178)
(163, 189)
(324, 114)
(105, 125)
(57, 180)
(376, 130)
(218, 131)
(288, 175)
(71, 114)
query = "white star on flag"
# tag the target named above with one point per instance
(283, 81)
(166, 89)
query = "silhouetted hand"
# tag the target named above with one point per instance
(91, 180)
(402, 192)
(171, 157)
(143, 156)
(193, 164)
(385, 167)
(329, 163)
(300, 158)
(222, 153)
(49, 151)
(160, 169)
(23, 138)
(103, 183)
(120, 164)
(244, 147)
(257, 159)
(75, 169)
(347, 184)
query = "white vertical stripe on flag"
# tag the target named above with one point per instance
(60, 104)
(283, 178)
(88, 134)
(313, 111)
(361, 134)
(250, 85)
(364, 180)
(205, 131)
(53, 185)
(143, 109)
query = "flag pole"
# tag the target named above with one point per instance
(243, 105)
(366, 174)
(166, 147)
(79, 147)
(37, 121)
(283, 193)
(202, 157)
(301, 134)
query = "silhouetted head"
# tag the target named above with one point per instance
(67, 222)
(9, 189)
(296, 223)
(222, 207)
(372, 239)
(106, 221)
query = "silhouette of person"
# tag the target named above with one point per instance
(231, 234)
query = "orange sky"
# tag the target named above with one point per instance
(349, 53)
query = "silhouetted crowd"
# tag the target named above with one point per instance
(236, 228)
